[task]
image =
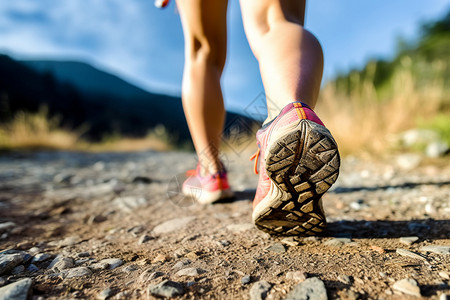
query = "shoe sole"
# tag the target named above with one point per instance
(207, 197)
(302, 163)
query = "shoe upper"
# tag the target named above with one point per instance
(290, 113)
(208, 182)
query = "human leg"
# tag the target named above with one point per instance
(289, 56)
(204, 27)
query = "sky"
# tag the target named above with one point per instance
(144, 45)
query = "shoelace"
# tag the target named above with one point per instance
(256, 157)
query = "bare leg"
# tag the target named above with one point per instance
(290, 57)
(204, 27)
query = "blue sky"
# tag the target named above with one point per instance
(144, 45)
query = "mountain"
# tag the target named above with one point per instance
(84, 95)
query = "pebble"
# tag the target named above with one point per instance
(78, 272)
(160, 258)
(404, 252)
(68, 241)
(246, 279)
(181, 264)
(277, 248)
(338, 242)
(377, 249)
(130, 268)
(149, 275)
(83, 254)
(444, 275)
(173, 225)
(310, 289)
(345, 279)
(109, 263)
(290, 241)
(41, 257)
(3, 281)
(297, 276)
(190, 272)
(407, 286)
(167, 289)
(9, 261)
(19, 290)
(144, 239)
(61, 263)
(32, 268)
(240, 227)
(223, 243)
(17, 270)
(409, 240)
(6, 226)
(129, 204)
(444, 297)
(124, 295)
(436, 249)
(259, 290)
(105, 294)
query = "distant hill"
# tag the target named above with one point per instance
(82, 94)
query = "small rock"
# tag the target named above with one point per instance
(240, 227)
(444, 275)
(378, 249)
(436, 249)
(105, 294)
(144, 239)
(130, 268)
(277, 248)
(408, 161)
(130, 203)
(68, 241)
(83, 254)
(172, 225)
(259, 290)
(246, 279)
(444, 297)
(407, 286)
(290, 241)
(345, 279)
(17, 270)
(19, 290)
(61, 263)
(124, 295)
(167, 289)
(3, 281)
(160, 258)
(78, 272)
(310, 289)
(8, 261)
(41, 257)
(223, 243)
(190, 272)
(404, 252)
(148, 275)
(337, 242)
(181, 264)
(96, 219)
(6, 226)
(109, 263)
(297, 276)
(408, 240)
(437, 149)
(32, 268)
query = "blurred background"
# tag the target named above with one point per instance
(106, 76)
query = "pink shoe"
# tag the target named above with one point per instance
(300, 161)
(207, 189)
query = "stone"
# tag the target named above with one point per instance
(9, 261)
(290, 241)
(444, 275)
(408, 240)
(246, 279)
(78, 272)
(345, 279)
(6, 226)
(190, 272)
(444, 297)
(407, 286)
(277, 248)
(172, 225)
(3, 281)
(41, 257)
(130, 268)
(32, 268)
(436, 249)
(337, 242)
(19, 290)
(310, 289)
(144, 239)
(17, 270)
(129, 203)
(148, 275)
(240, 227)
(223, 243)
(181, 264)
(437, 149)
(68, 241)
(83, 254)
(259, 290)
(109, 263)
(404, 252)
(105, 294)
(297, 276)
(167, 288)
(61, 263)
(408, 161)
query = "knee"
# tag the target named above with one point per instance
(205, 51)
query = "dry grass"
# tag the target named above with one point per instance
(40, 131)
(364, 121)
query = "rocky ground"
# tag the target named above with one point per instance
(114, 226)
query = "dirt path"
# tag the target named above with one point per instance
(63, 214)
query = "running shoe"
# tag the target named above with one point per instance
(207, 188)
(298, 162)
